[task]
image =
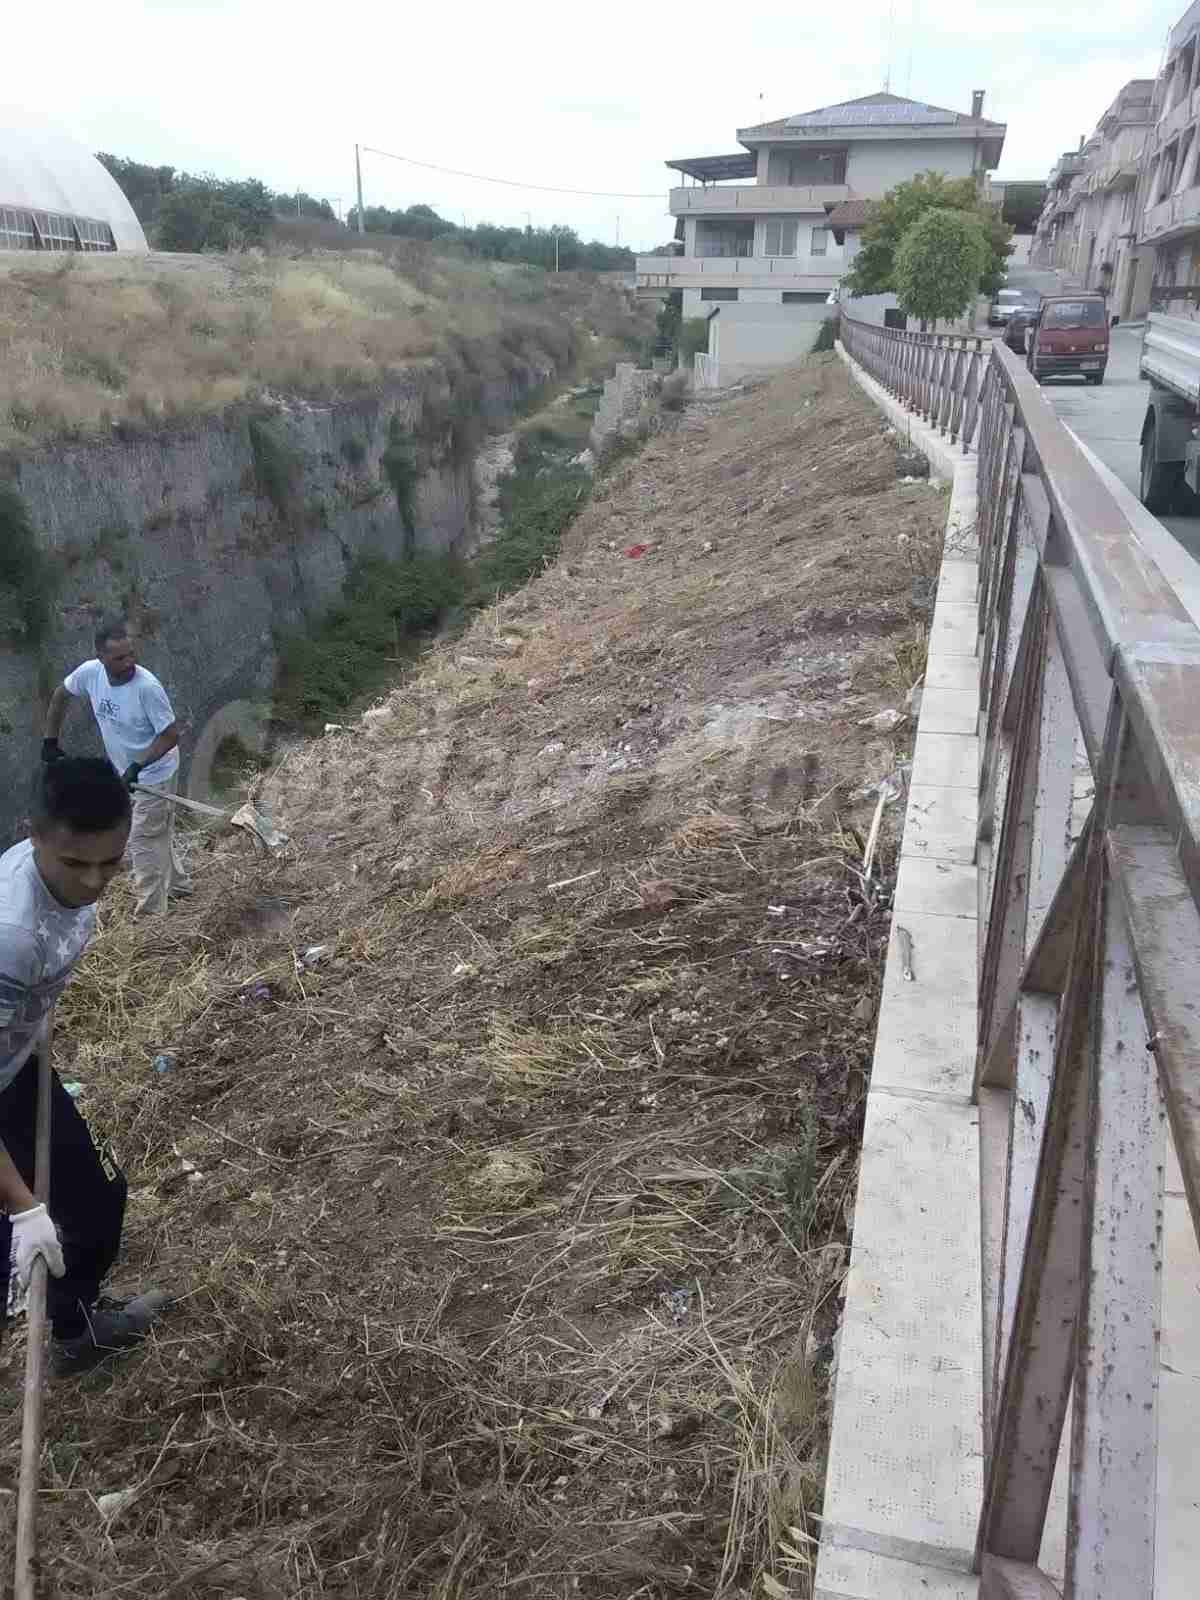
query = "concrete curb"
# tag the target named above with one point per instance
(905, 1477)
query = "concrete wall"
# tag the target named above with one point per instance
(693, 306)
(173, 532)
(625, 398)
(749, 339)
(877, 165)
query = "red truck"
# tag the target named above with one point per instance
(1069, 335)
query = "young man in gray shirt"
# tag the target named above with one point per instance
(141, 736)
(49, 886)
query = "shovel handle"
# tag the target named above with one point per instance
(181, 800)
(35, 1348)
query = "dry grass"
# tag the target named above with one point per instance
(90, 343)
(509, 1236)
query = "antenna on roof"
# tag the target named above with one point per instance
(887, 78)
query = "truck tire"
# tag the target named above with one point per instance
(1160, 480)
(1095, 377)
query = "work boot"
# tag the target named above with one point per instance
(113, 1325)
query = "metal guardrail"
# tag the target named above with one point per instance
(937, 375)
(1088, 976)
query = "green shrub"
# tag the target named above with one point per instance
(827, 336)
(693, 338)
(384, 603)
(277, 466)
(402, 470)
(28, 575)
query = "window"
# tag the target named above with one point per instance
(779, 238)
(56, 232)
(820, 241)
(51, 230)
(1076, 314)
(16, 230)
(802, 297)
(718, 294)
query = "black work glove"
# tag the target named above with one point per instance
(131, 774)
(51, 751)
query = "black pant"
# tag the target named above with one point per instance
(87, 1205)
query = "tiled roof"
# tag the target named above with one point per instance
(850, 214)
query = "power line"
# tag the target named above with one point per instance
(511, 183)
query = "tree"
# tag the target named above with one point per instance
(142, 185)
(207, 213)
(873, 271)
(938, 264)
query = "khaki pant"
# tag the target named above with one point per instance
(158, 869)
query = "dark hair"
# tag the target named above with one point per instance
(109, 629)
(83, 793)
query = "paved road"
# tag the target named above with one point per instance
(1109, 418)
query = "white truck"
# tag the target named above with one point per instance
(1170, 359)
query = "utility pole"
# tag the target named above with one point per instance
(618, 233)
(362, 226)
(556, 252)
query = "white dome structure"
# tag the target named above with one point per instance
(55, 195)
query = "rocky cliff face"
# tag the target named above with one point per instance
(215, 539)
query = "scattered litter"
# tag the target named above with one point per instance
(335, 727)
(111, 1505)
(883, 721)
(256, 991)
(635, 551)
(74, 1088)
(312, 956)
(163, 1063)
(464, 969)
(776, 911)
(678, 1302)
(904, 939)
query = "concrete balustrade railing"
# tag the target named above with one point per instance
(1089, 969)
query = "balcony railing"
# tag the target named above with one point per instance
(777, 271)
(1176, 213)
(724, 249)
(1089, 971)
(718, 199)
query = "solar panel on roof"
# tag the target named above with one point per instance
(846, 116)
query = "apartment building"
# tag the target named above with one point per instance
(777, 222)
(1170, 214)
(1089, 226)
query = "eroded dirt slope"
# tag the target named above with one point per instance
(509, 1230)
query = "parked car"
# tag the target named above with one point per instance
(1003, 306)
(1018, 325)
(1070, 335)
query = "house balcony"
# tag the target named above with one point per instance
(817, 274)
(1066, 167)
(1119, 174)
(756, 199)
(1177, 214)
(1178, 117)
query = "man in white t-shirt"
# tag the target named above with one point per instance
(141, 737)
(49, 886)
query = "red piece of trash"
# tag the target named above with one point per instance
(636, 550)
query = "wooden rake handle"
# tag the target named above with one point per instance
(35, 1348)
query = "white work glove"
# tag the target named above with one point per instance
(33, 1234)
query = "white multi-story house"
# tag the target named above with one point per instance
(777, 222)
(1170, 220)
(1088, 227)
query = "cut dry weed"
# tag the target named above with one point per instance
(509, 1233)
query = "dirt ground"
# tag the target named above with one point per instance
(504, 1165)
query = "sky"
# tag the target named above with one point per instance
(584, 98)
